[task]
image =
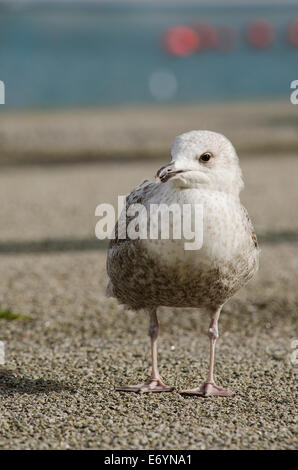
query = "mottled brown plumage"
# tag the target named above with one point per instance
(146, 274)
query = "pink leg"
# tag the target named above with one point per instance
(209, 388)
(155, 383)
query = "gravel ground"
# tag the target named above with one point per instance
(70, 345)
(127, 133)
(62, 365)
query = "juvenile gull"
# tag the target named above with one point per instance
(146, 273)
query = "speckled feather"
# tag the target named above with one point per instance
(151, 273)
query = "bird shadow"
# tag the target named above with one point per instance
(13, 384)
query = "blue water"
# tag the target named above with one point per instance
(102, 56)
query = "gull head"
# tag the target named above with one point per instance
(203, 159)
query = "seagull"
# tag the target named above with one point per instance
(146, 273)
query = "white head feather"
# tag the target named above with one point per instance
(222, 172)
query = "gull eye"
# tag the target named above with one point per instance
(205, 157)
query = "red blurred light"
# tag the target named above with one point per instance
(260, 33)
(181, 41)
(292, 33)
(208, 36)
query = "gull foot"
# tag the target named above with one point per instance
(209, 389)
(152, 385)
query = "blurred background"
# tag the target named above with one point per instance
(95, 53)
(95, 93)
(61, 59)
(113, 82)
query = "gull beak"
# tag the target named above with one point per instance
(166, 172)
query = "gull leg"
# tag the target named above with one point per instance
(209, 388)
(155, 383)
